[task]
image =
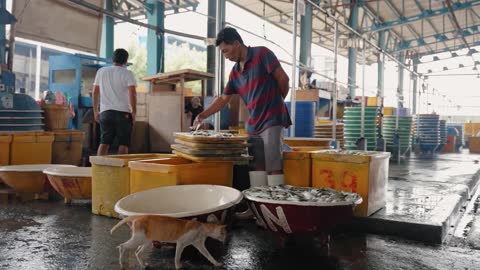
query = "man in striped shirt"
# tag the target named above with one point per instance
(263, 85)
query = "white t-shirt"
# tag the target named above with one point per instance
(114, 82)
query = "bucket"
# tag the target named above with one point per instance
(56, 116)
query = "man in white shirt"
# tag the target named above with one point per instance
(114, 103)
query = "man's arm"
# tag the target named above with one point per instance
(282, 81)
(216, 106)
(132, 97)
(96, 103)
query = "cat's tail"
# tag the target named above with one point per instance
(123, 221)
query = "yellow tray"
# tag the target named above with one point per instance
(206, 159)
(189, 138)
(208, 152)
(212, 146)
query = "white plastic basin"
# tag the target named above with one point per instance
(69, 171)
(183, 201)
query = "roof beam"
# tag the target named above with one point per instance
(369, 11)
(454, 20)
(403, 46)
(400, 16)
(428, 20)
(451, 49)
(422, 16)
(442, 36)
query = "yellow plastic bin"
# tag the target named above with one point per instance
(297, 168)
(5, 141)
(67, 147)
(474, 145)
(365, 173)
(387, 110)
(111, 180)
(148, 174)
(31, 148)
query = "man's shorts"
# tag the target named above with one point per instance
(267, 148)
(115, 124)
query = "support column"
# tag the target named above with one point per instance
(155, 41)
(3, 38)
(381, 65)
(400, 91)
(107, 47)
(352, 51)
(415, 83)
(38, 68)
(305, 38)
(211, 33)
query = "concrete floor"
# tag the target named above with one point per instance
(51, 235)
(425, 198)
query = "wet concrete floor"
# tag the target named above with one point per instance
(425, 198)
(51, 235)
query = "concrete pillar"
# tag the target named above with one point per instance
(381, 65)
(400, 91)
(155, 41)
(415, 83)
(305, 38)
(352, 51)
(107, 47)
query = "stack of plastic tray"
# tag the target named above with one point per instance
(324, 131)
(210, 147)
(427, 131)
(389, 128)
(352, 127)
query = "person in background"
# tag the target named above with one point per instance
(114, 103)
(263, 85)
(194, 108)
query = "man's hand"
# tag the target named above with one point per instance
(96, 116)
(134, 117)
(198, 120)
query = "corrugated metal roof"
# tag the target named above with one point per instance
(419, 27)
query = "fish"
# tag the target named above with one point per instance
(301, 194)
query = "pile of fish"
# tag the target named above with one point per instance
(209, 133)
(301, 194)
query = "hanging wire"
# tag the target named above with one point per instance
(264, 19)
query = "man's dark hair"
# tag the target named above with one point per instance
(120, 56)
(229, 36)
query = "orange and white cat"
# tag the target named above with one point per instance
(148, 228)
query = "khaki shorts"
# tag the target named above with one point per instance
(266, 149)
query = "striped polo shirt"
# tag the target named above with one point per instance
(259, 90)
